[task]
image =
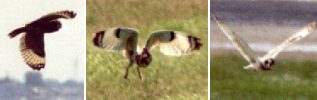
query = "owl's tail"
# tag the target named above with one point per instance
(16, 32)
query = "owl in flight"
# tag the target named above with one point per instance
(32, 40)
(267, 61)
(172, 43)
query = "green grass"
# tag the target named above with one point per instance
(288, 80)
(167, 78)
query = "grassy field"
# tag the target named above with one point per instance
(289, 80)
(167, 78)
(294, 76)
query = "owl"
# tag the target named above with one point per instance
(171, 43)
(265, 62)
(32, 40)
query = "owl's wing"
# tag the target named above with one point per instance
(238, 42)
(117, 39)
(16, 32)
(173, 43)
(294, 38)
(32, 49)
(55, 15)
(47, 18)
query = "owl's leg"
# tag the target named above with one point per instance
(138, 69)
(127, 69)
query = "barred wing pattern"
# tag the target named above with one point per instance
(32, 50)
(125, 39)
(294, 38)
(32, 41)
(173, 43)
(117, 39)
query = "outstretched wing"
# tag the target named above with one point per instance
(240, 44)
(55, 15)
(32, 49)
(173, 43)
(16, 32)
(117, 39)
(294, 38)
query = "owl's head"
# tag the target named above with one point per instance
(267, 64)
(144, 59)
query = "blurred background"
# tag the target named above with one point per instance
(35, 87)
(167, 78)
(264, 24)
(63, 76)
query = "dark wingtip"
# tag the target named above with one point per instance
(97, 40)
(72, 14)
(11, 36)
(195, 42)
(69, 13)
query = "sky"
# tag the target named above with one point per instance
(65, 49)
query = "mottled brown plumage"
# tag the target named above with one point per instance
(172, 43)
(32, 41)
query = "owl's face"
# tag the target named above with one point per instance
(267, 64)
(144, 59)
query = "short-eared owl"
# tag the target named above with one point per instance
(172, 43)
(32, 41)
(267, 61)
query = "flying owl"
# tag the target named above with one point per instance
(265, 62)
(172, 43)
(32, 40)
